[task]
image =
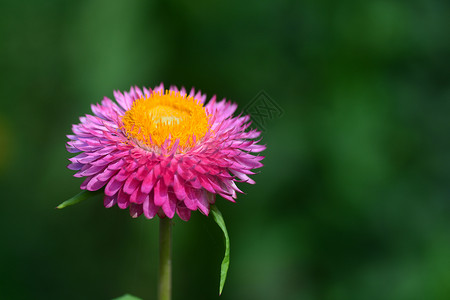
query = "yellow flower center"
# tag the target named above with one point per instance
(150, 121)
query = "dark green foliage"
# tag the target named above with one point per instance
(353, 201)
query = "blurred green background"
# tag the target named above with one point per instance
(353, 201)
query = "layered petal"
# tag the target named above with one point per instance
(172, 177)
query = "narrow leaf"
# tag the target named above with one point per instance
(217, 215)
(127, 297)
(78, 198)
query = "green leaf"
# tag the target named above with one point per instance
(217, 215)
(78, 198)
(127, 297)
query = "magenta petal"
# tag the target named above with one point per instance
(228, 197)
(202, 202)
(191, 199)
(181, 172)
(242, 176)
(157, 171)
(123, 200)
(134, 196)
(123, 100)
(252, 163)
(149, 207)
(122, 175)
(205, 183)
(113, 187)
(138, 197)
(106, 175)
(141, 173)
(170, 205)
(214, 183)
(148, 183)
(71, 148)
(161, 196)
(85, 182)
(178, 188)
(109, 201)
(195, 182)
(117, 165)
(199, 169)
(95, 184)
(75, 166)
(227, 188)
(168, 177)
(184, 213)
(256, 148)
(234, 186)
(135, 210)
(131, 184)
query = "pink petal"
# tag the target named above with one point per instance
(141, 173)
(169, 206)
(106, 175)
(95, 184)
(242, 176)
(137, 196)
(89, 170)
(122, 175)
(85, 183)
(195, 182)
(135, 210)
(149, 207)
(109, 201)
(202, 202)
(131, 184)
(123, 200)
(113, 187)
(168, 177)
(123, 101)
(205, 183)
(148, 183)
(75, 166)
(227, 196)
(117, 165)
(184, 213)
(178, 188)
(191, 198)
(161, 196)
(157, 171)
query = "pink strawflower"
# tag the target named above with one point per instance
(161, 152)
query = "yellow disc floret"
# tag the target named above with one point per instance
(151, 120)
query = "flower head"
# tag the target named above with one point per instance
(164, 151)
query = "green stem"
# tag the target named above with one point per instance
(165, 259)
